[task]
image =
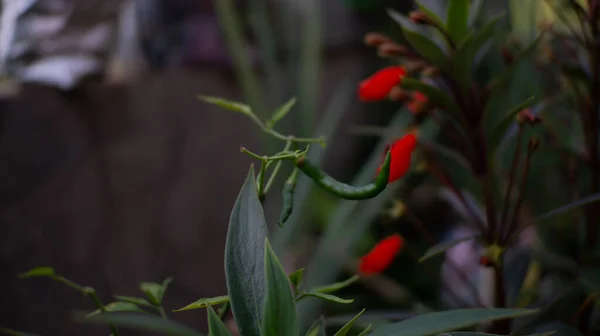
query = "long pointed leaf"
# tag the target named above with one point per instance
(457, 19)
(145, 322)
(443, 247)
(439, 322)
(279, 318)
(346, 328)
(244, 258)
(216, 327)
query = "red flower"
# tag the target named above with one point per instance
(401, 156)
(381, 256)
(418, 102)
(378, 86)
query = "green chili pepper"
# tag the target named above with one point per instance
(344, 190)
(288, 197)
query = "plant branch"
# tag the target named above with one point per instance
(511, 180)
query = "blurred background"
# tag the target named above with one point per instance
(113, 173)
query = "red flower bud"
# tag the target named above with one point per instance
(381, 256)
(378, 86)
(419, 103)
(401, 156)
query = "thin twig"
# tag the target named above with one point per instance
(511, 180)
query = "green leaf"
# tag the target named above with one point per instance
(216, 327)
(499, 130)
(346, 328)
(119, 307)
(134, 300)
(434, 94)
(244, 258)
(439, 322)
(457, 19)
(281, 112)
(366, 331)
(420, 43)
(279, 317)
(154, 291)
(205, 302)
(146, 322)
(228, 104)
(336, 286)
(568, 207)
(39, 272)
(318, 328)
(443, 247)
(464, 55)
(328, 297)
(296, 277)
(431, 14)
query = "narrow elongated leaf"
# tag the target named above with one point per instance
(328, 297)
(503, 124)
(421, 43)
(11, 332)
(457, 19)
(216, 327)
(336, 286)
(205, 302)
(443, 247)
(439, 322)
(318, 328)
(281, 112)
(244, 258)
(366, 331)
(119, 307)
(228, 104)
(39, 272)
(134, 300)
(145, 322)
(348, 326)
(571, 206)
(279, 317)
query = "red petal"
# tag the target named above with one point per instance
(418, 96)
(401, 156)
(378, 86)
(382, 255)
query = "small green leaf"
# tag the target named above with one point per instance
(228, 104)
(205, 302)
(146, 322)
(439, 322)
(279, 318)
(318, 328)
(366, 331)
(244, 258)
(134, 300)
(154, 291)
(119, 307)
(296, 277)
(328, 297)
(281, 112)
(39, 272)
(431, 14)
(420, 43)
(348, 326)
(457, 19)
(568, 207)
(499, 130)
(336, 286)
(216, 327)
(443, 247)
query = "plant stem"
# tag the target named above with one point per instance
(91, 293)
(271, 180)
(224, 310)
(511, 228)
(501, 327)
(511, 181)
